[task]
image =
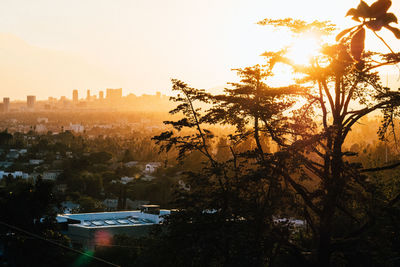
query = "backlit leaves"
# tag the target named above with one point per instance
(379, 8)
(376, 10)
(373, 17)
(389, 18)
(357, 44)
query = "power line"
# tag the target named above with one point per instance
(57, 244)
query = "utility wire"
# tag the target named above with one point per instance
(57, 244)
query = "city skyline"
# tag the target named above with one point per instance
(108, 99)
(48, 48)
(83, 95)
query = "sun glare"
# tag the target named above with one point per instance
(303, 49)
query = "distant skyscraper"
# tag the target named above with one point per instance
(114, 94)
(101, 95)
(30, 101)
(6, 104)
(88, 95)
(75, 96)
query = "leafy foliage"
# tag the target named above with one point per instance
(296, 157)
(372, 17)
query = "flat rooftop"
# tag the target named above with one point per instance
(112, 219)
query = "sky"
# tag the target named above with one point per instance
(48, 48)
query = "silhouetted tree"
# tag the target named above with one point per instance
(5, 138)
(233, 202)
(333, 193)
(346, 88)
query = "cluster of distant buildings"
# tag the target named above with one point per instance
(110, 98)
(112, 95)
(30, 103)
(13, 155)
(51, 172)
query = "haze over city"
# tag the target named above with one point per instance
(49, 48)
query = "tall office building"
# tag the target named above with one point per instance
(114, 94)
(101, 95)
(75, 96)
(88, 95)
(6, 104)
(30, 101)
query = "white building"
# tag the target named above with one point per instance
(152, 167)
(183, 185)
(127, 179)
(35, 161)
(41, 128)
(42, 120)
(147, 178)
(23, 151)
(90, 230)
(16, 174)
(51, 175)
(77, 128)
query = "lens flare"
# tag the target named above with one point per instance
(84, 259)
(102, 238)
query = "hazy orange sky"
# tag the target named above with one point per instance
(49, 48)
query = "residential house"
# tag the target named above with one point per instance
(152, 167)
(35, 161)
(51, 174)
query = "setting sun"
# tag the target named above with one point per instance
(303, 49)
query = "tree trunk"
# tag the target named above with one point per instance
(334, 185)
(325, 235)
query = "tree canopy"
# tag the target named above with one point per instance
(295, 164)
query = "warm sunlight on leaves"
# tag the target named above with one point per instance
(301, 52)
(304, 39)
